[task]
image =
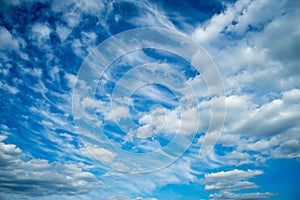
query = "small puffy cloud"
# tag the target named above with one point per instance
(85, 44)
(88, 102)
(7, 42)
(98, 153)
(73, 11)
(63, 32)
(72, 79)
(8, 88)
(40, 33)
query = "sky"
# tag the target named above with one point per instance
(149, 100)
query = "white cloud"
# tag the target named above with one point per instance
(98, 153)
(178, 173)
(287, 149)
(245, 196)
(272, 118)
(10, 42)
(263, 60)
(230, 175)
(259, 60)
(10, 89)
(39, 177)
(280, 38)
(40, 34)
(89, 39)
(255, 14)
(72, 79)
(237, 18)
(7, 42)
(149, 15)
(230, 180)
(237, 158)
(227, 181)
(73, 11)
(85, 44)
(63, 32)
(88, 103)
(241, 185)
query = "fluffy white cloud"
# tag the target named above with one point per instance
(287, 149)
(10, 42)
(230, 175)
(40, 34)
(39, 177)
(237, 19)
(8, 88)
(261, 62)
(275, 117)
(227, 181)
(245, 196)
(230, 180)
(7, 42)
(63, 32)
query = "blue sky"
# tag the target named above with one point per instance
(190, 100)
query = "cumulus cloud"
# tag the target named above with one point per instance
(230, 180)
(39, 177)
(246, 196)
(246, 117)
(227, 181)
(237, 19)
(7, 41)
(11, 42)
(255, 133)
(255, 45)
(258, 62)
(230, 176)
(40, 34)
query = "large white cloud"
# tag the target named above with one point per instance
(264, 60)
(254, 44)
(36, 177)
(245, 196)
(227, 181)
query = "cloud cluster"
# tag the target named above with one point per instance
(255, 55)
(248, 196)
(29, 176)
(234, 180)
(255, 44)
